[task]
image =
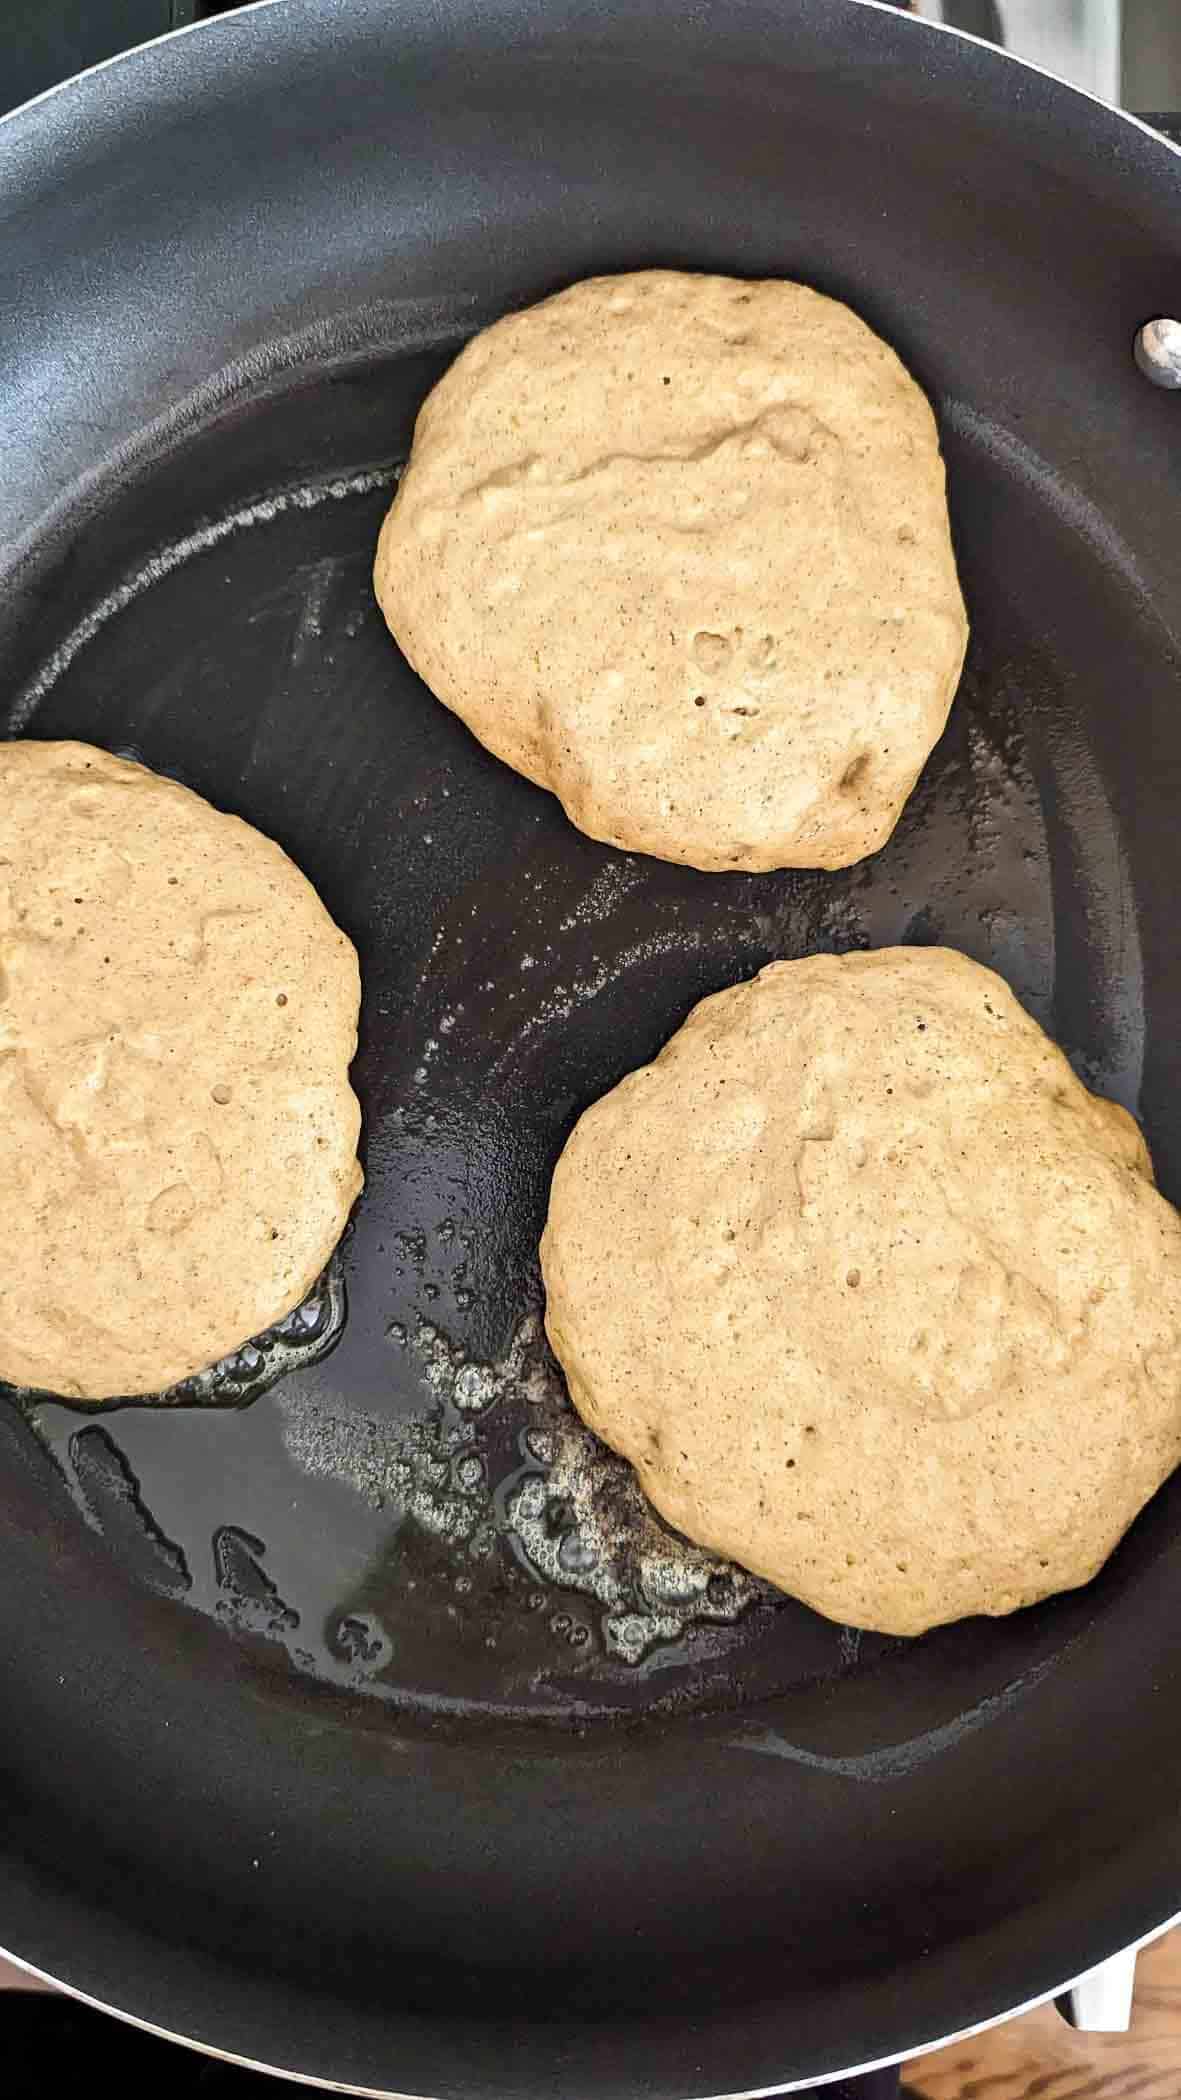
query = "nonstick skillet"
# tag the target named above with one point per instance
(356, 1721)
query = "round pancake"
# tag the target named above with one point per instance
(677, 548)
(878, 1299)
(177, 1131)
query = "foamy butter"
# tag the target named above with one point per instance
(571, 1512)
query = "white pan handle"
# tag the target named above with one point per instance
(1101, 2001)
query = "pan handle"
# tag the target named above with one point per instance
(1101, 2001)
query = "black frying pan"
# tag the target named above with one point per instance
(341, 1731)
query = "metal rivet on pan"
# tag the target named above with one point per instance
(1158, 352)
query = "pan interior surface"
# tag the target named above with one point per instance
(360, 1708)
(397, 1495)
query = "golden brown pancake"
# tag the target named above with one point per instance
(677, 549)
(177, 1131)
(878, 1299)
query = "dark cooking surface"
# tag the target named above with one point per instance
(327, 1705)
(373, 1513)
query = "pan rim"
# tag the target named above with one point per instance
(761, 2092)
(921, 24)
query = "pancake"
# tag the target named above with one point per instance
(177, 1130)
(877, 1298)
(677, 548)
